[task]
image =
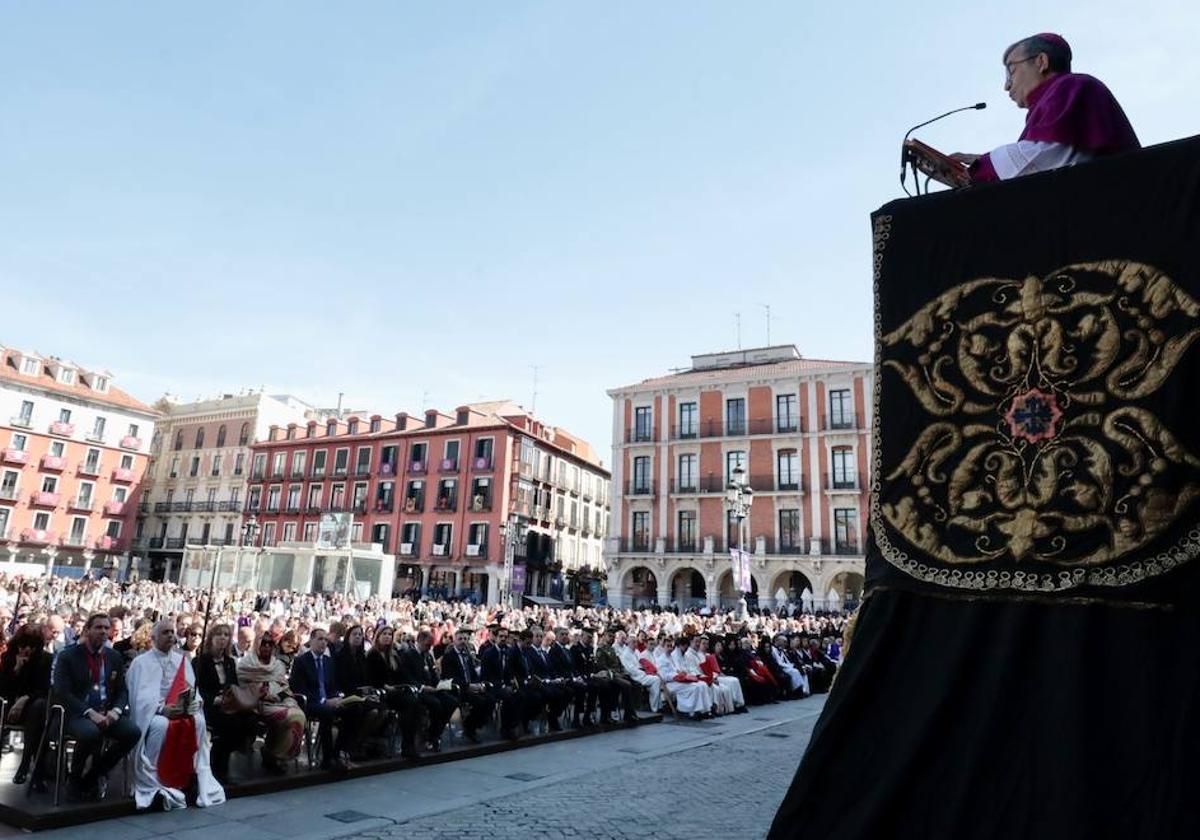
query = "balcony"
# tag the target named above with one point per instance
(9, 494)
(318, 473)
(314, 510)
(837, 547)
(481, 503)
(143, 507)
(685, 546)
(80, 504)
(21, 421)
(174, 542)
(789, 426)
(56, 463)
(712, 484)
(43, 498)
(75, 540)
(359, 507)
(482, 464)
(107, 543)
(448, 465)
(89, 468)
(639, 435)
(94, 437)
(335, 507)
(843, 421)
(341, 472)
(114, 508)
(15, 456)
(791, 484)
(685, 485)
(841, 482)
(384, 505)
(408, 550)
(417, 467)
(204, 507)
(297, 474)
(477, 551)
(446, 503)
(292, 509)
(122, 475)
(639, 488)
(181, 507)
(440, 550)
(636, 545)
(62, 429)
(387, 469)
(36, 536)
(130, 442)
(156, 542)
(414, 504)
(362, 471)
(162, 507)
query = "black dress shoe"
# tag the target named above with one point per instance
(21, 776)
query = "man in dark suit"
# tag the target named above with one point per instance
(496, 665)
(602, 686)
(418, 670)
(539, 692)
(562, 667)
(459, 667)
(89, 683)
(315, 676)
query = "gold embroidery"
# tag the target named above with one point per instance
(1034, 459)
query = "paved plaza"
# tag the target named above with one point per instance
(670, 779)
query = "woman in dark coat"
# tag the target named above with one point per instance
(216, 671)
(25, 684)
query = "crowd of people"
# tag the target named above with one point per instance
(178, 684)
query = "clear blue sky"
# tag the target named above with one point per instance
(389, 199)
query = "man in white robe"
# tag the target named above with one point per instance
(150, 678)
(797, 681)
(635, 672)
(691, 698)
(728, 690)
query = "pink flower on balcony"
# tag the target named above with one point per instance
(123, 475)
(114, 508)
(130, 442)
(44, 499)
(64, 429)
(16, 456)
(53, 462)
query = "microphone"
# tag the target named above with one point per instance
(978, 106)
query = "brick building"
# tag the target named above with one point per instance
(74, 450)
(432, 499)
(797, 427)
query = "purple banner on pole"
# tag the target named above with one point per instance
(518, 579)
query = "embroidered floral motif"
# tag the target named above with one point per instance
(1039, 451)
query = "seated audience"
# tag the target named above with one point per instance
(314, 675)
(216, 674)
(164, 705)
(25, 685)
(89, 682)
(265, 678)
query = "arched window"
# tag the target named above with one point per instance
(244, 437)
(179, 440)
(199, 438)
(221, 436)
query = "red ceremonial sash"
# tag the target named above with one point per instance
(648, 667)
(176, 760)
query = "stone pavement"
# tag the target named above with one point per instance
(672, 779)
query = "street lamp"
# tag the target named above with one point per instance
(739, 496)
(512, 536)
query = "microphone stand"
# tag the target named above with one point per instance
(904, 158)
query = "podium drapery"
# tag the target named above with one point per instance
(1023, 664)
